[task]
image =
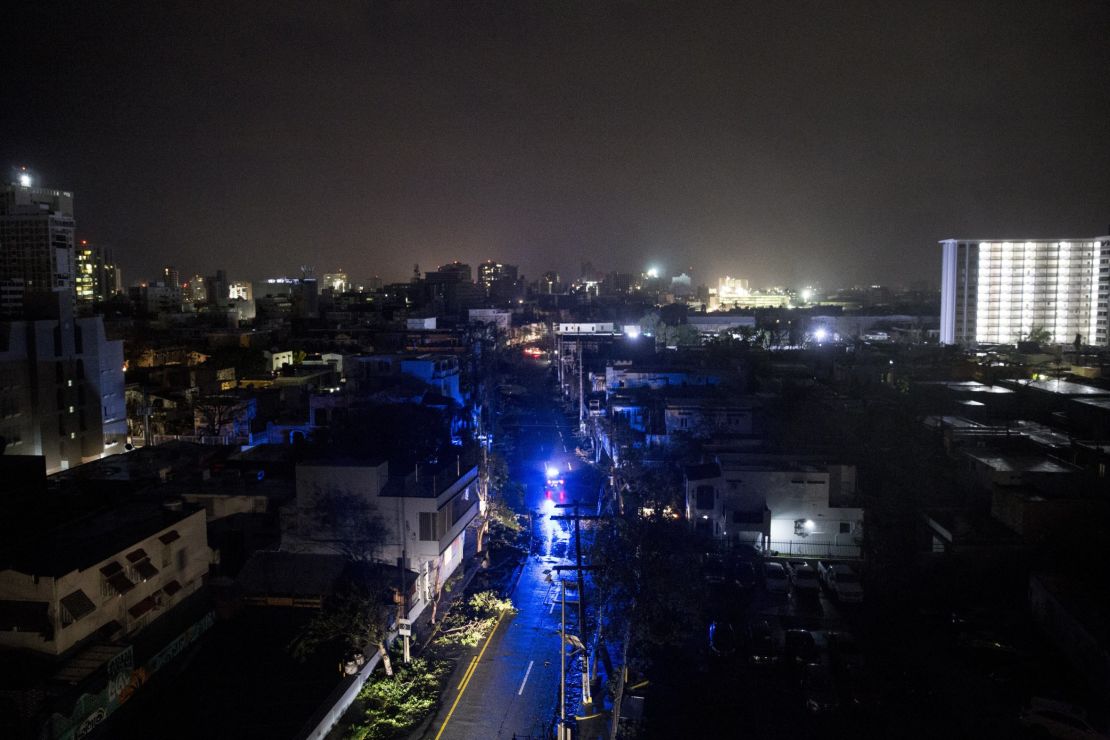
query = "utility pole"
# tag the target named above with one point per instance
(581, 397)
(559, 358)
(564, 734)
(403, 563)
(146, 417)
(577, 517)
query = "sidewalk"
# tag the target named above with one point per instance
(420, 626)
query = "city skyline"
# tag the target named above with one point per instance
(790, 145)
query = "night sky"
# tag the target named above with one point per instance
(787, 142)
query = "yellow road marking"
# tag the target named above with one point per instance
(469, 670)
(468, 676)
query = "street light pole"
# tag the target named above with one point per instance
(563, 734)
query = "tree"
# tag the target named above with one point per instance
(353, 616)
(211, 414)
(470, 621)
(345, 522)
(501, 498)
(1040, 335)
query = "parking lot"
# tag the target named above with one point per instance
(802, 663)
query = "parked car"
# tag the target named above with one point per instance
(745, 576)
(775, 579)
(818, 689)
(841, 581)
(722, 639)
(858, 690)
(714, 569)
(763, 641)
(744, 551)
(1058, 719)
(803, 646)
(844, 650)
(804, 578)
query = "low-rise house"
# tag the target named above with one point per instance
(619, 377)
(791, 504)
(359, 509)
(107, 575)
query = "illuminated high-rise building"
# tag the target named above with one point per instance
(240, 290)
(490, 273)
(98, 278)
(337, 282)
(1005, 291)
(195, 290)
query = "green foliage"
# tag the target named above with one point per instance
(391, 707)
(1040, 335)
(645, 577)
(353, 617)
(469, 622)
(488, 602)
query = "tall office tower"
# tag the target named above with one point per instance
(196, 292)
(1005, 291)
(36, 243)
(98, 276)
(240, 290)
(460, 268)
(170, 276)
(336, 282)
(490, 272)
(217, 289)
(549, 283)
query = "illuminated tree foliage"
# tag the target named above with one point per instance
(469, 622)
(393, 707)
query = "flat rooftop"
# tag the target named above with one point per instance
(85, 542)
(1002, 463)
(1102, 402)
(1061, 387)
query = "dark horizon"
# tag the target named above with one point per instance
(787, 144)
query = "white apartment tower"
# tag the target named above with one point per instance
(36, 242)
(997, 291)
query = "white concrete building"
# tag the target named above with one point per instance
(112, 574)
(61, 390)
(793, 505)
(498, 317)
(278, 360)
(423, 516)
(1000, 291)
(36, 242)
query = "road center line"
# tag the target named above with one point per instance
(526, 674)
(469, 670)
(470, 675)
